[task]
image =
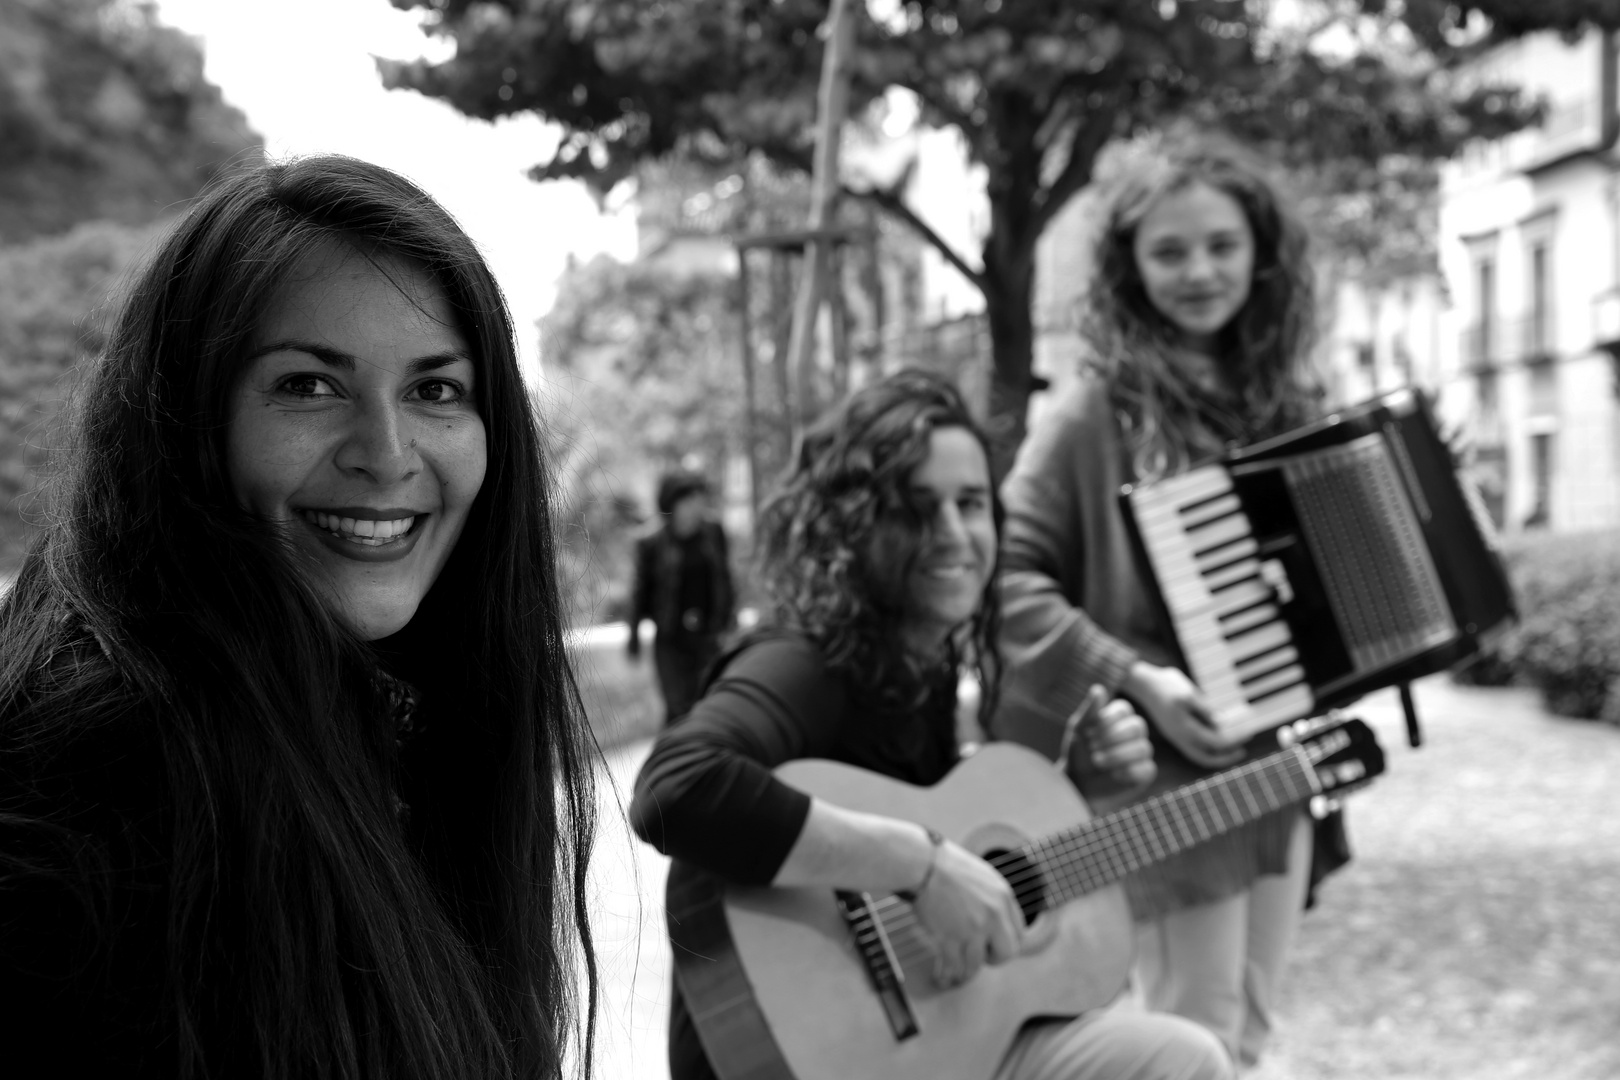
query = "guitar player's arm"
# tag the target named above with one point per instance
(707, 795)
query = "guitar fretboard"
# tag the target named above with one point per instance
(1099, 852)
(1057, 868)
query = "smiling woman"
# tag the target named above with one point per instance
(878, 551)
(1198, 321)
(293, 775)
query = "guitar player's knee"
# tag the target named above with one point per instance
(1118, 1043)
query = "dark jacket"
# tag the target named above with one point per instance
(663, 591)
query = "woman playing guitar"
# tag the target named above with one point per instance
(878, 551)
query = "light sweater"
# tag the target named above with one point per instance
(1076, 611)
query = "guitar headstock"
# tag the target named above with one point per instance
(1343, 749)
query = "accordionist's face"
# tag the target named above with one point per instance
(1195, 251)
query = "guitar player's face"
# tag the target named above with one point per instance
(950, 490)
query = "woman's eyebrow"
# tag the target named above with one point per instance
(343, 361)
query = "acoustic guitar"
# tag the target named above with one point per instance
(813, 984)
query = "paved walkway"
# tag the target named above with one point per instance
(632, 948)
(629, 881)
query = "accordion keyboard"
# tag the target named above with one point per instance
(1223, 597)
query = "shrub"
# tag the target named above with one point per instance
(1567, 642)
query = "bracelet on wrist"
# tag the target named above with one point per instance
(935, 839)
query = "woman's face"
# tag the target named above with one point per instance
(1195, 251)
(946, 581)
(354, 426)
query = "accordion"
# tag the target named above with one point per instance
(1304, 571)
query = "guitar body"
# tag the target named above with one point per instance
(811, 984)
(792, 957)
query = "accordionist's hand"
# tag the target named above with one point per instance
(1105, 749)
(1177, 709)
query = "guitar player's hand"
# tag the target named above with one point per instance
(973, 917)
(1176, 707)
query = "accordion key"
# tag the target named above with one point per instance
(1314, 567)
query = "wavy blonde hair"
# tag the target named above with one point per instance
(1171, 422)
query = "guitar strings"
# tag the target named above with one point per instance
(1109, 839)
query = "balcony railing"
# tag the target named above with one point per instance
(1498, 342)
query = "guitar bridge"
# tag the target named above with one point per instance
(878, 958)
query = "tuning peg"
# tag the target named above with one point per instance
(1323, 805)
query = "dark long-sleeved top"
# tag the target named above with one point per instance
(86, 843)
(706, 794)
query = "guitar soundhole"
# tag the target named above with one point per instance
(1025, 878)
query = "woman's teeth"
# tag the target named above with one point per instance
(361, 531)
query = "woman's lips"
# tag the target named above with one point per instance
(391, 538)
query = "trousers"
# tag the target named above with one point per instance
(1218, 964)
(1115, 1043)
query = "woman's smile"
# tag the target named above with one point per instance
(368, 539)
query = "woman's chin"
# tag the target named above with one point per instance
(374, 618)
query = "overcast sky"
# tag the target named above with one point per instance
(303, 73)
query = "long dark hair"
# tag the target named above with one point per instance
(839, 534)
(1265, 349)
(308, 933)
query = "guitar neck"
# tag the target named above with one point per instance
(1099, 852)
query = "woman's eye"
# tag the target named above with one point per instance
(441, 391)
(307, 386)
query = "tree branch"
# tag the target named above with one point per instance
(1088, 142)
(889, 200)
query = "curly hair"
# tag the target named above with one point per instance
(840, 533)
(1265, 349)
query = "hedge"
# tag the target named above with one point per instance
(1567, 640)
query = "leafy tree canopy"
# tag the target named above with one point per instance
(641, 374)
(54, 292)
(1035, 87)
(104, 113)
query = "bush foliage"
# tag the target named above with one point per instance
(1567, 641)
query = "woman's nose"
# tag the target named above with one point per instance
(378, 443)
(1199, 265)
(949, 528)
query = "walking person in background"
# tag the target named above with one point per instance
(1198, 321)
(878, 553)
(294, 779)
(683, 584)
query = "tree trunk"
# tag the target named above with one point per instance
(1009, 301)
(1012, 349)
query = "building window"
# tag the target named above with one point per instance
(1541, 452)
(1543, 386)
(1487, 396)
(1485, 282)
(1403, 358)
(1538, 337)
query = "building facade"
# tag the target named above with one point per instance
(1518, 333)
